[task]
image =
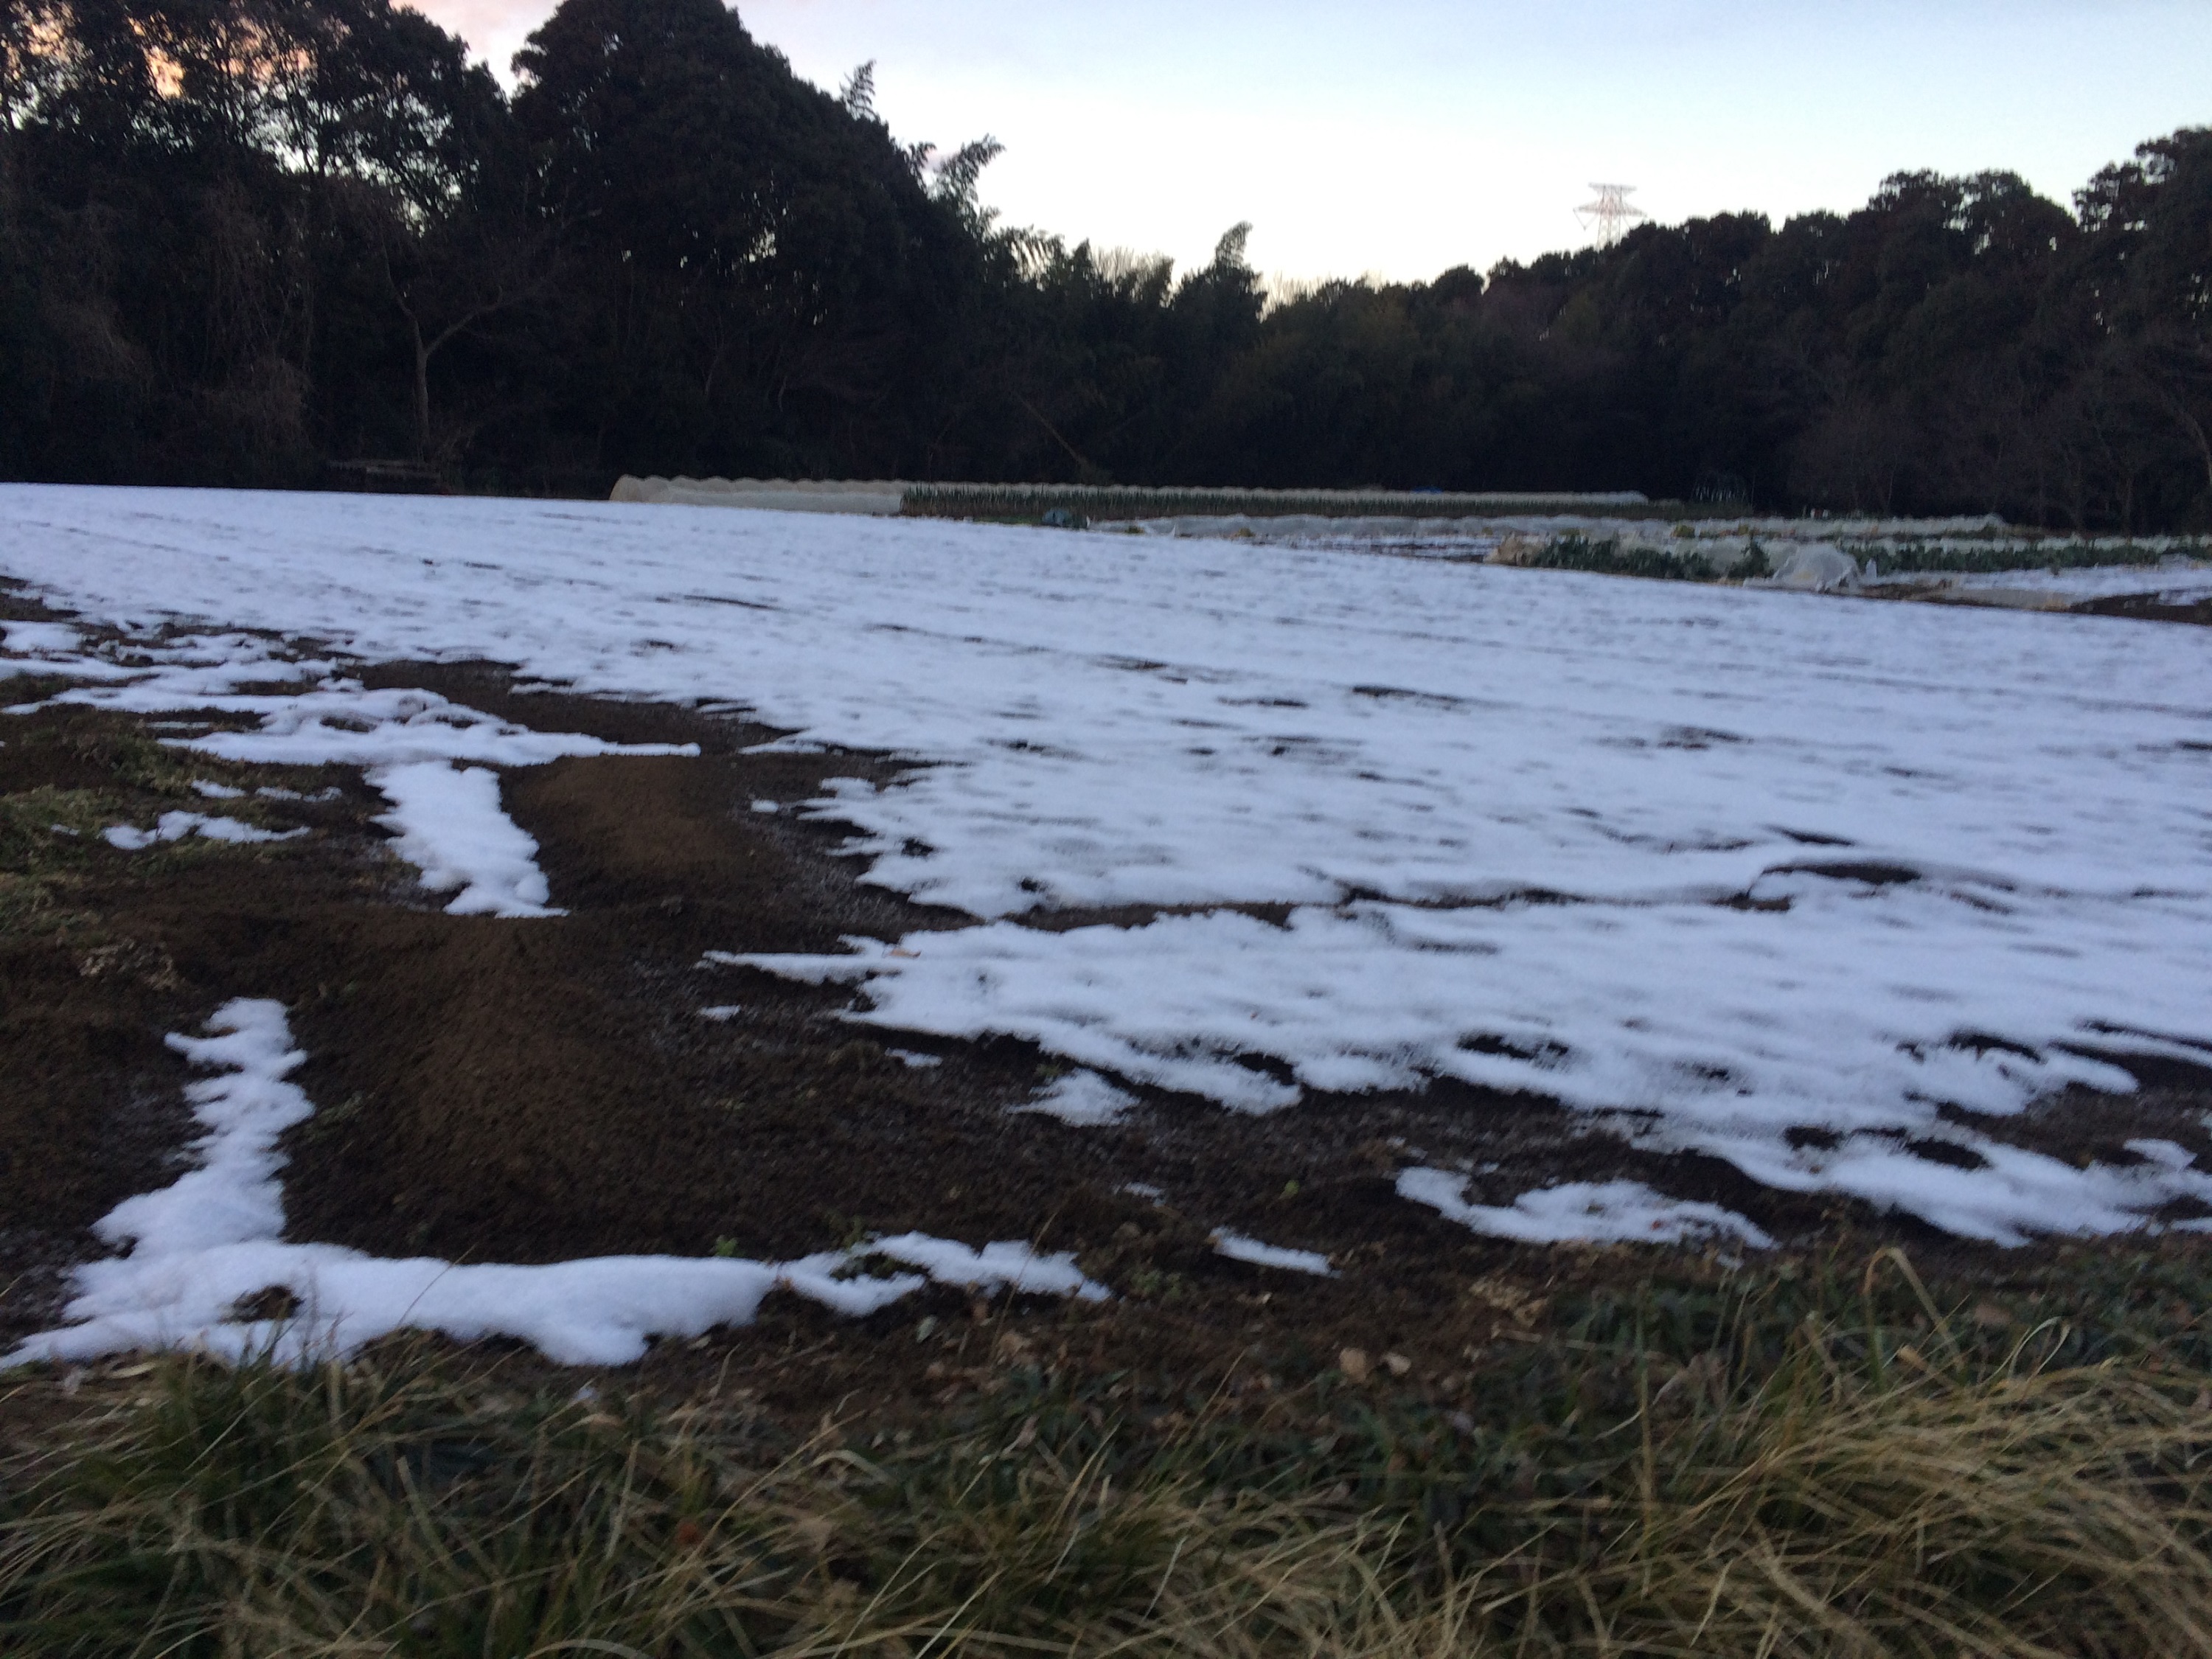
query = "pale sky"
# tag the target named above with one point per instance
(1400, 138)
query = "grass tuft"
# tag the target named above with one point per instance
(1850, 1492)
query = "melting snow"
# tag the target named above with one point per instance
(31, 639)
(452, 827)
(1010, 1266)
(1237, 1248)
(1723, 863)
(175, 826)
(212, 1239)
(1610, 1211)
(1084, 1099)
(415, 745)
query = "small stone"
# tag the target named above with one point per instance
(1355, 1364)
(1396, 1364)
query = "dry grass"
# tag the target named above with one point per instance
(1851, 1498)
(2054, 1512)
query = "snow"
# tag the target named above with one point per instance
(212, 1239)
(1709, 864)
(31, 639)
(453, 829)
(1238, 1248)
(1009, 1266)
(722, 1011)
(1082, 1099)
(175, 826)
(1601, 1212)
(232, 1196)
(2175, 583)
(414, 744)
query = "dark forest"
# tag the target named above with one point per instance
(243, 241)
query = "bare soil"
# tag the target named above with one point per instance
(2149, 607)
(492, 1090)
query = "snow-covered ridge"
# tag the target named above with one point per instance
(213, 1238)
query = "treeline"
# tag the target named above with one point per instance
(242, 240)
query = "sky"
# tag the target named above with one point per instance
(1398, 138)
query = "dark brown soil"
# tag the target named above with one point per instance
(495, 1090)
(2145, 607)
(102, 952)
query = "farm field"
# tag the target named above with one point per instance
(703, 1083)
(590, 924)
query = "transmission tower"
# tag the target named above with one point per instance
(1611, 215)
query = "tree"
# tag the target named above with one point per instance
(2149, 225)
(766, 263)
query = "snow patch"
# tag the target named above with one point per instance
(213, 1238)
(175, 826)
(232, 1196)
(1082, 1099)
(33, 638)
(2007, 1196)
(1008, 1266)
(414, 746)
(1582, 1212)
(1238, 1248)
(453, 829)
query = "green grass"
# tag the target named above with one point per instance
(39, 859)
(1817, 1463)
(2041, 553)
(51, 855)
(1577, 552)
